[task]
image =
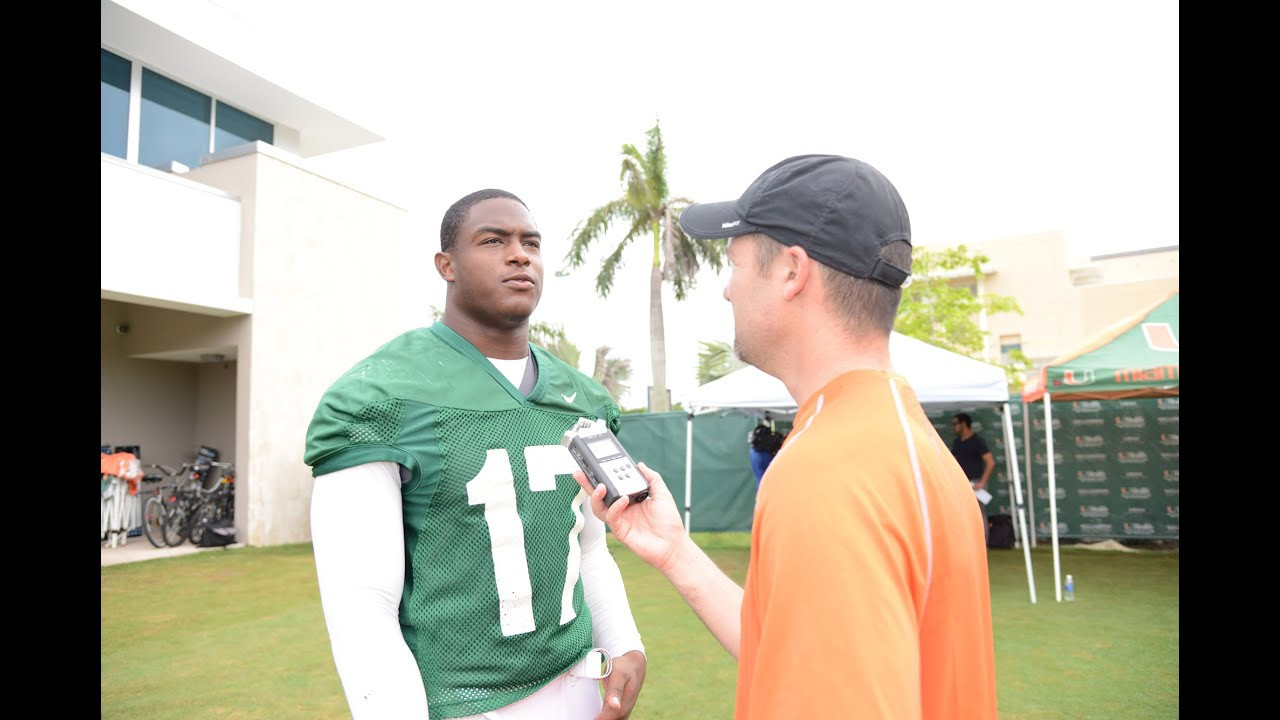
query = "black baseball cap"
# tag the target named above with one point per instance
(840, 210)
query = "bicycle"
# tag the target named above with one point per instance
(214, 504)
(170, 511)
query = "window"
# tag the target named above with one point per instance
(1009, 343)
(175, 122)
(115, 104)
(237, 128)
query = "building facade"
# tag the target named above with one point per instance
(237, 281)
(1064, 300)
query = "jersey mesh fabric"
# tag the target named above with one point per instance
(467, 665)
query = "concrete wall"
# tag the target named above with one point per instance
(216, 402)
(149, 403)
(333, 276)
(1065, 300)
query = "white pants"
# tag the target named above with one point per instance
(568, 696)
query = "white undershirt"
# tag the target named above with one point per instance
(513, 370)
(357, 533)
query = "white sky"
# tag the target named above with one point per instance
(993, 119)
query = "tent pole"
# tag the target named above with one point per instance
(1026, 458)
(1011, 457)
(1053, 495)
(688, 470)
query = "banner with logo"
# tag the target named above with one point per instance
(1116, 468)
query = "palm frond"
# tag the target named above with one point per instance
(604, 281)
(596, 224)
(656, 164)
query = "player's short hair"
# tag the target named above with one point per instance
(964, 418)
(456, 215)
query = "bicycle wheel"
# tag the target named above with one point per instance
(153, 519)
(175, 524)
(199, 519)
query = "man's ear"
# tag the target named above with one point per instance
(798, 269)
(444, 266)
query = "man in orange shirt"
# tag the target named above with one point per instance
(867, 592)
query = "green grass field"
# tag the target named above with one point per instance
(240, 634)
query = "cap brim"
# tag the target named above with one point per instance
(714, 220)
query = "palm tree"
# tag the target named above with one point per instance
(611, 372)
(552, 338)
(715, 360)
(647, 211)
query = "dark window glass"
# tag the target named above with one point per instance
(237, 128)
(115, 104)
(175, 122)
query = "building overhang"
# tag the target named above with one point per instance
(210, 53)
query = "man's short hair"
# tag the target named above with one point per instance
(964, 418)
(862, 304)
(456, 215)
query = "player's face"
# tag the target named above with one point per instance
(497, 263)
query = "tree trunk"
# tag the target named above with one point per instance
(658, 401)
(657, 344)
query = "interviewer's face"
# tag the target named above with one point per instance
(747, 291)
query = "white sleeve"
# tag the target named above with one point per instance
(612, 626)
(357, 533)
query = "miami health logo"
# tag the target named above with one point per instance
(1043, 493)
(1171, 475)
(1171, 511)
(1091, 476)
(1168, 438)
(1139, 528)
(1131, 421)
(1167, 403)
(1086, 406)
(1038, 423)
(1094, 511)
(1042, 528)
(1131, 457)
(1040, 458)
(1135, 493)
(1088, 441)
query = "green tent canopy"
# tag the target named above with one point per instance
(1135, 357)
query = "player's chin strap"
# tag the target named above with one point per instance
(596, 664)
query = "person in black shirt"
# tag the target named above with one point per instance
(971, 451)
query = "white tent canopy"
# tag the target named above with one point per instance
(940, 379)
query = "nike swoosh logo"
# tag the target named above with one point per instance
(569, 398)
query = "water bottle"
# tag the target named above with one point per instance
(1069, 590)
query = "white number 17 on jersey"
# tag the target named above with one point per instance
(494, 487)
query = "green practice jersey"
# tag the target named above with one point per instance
(492, 606)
